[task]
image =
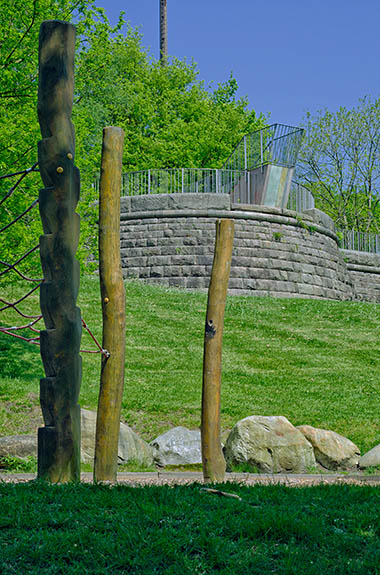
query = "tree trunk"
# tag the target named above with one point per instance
(59, 440)
(113, 307)
(212, 456)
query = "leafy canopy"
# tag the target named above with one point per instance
(170, 117)
(340, 164)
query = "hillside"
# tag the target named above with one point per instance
(315, 362)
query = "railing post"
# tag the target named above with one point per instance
(183, 182)
(113, 308)
(59, 440)
(148, 181)
(212, 456)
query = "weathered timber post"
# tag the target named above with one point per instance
(113, 307)
(59, 440)
(163, 33)
(213, 462)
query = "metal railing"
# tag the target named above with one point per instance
(198, 180)
(360, 241)
(300, 198)
(181, 180)
(277, 144)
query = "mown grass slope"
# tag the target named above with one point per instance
(315, 362)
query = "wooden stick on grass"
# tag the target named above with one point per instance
(212, 456)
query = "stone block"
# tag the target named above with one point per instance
(151, 202)
(320, 218)
(156, 272)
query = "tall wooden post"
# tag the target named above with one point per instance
(163, 33)
(113, 307)
(59, 440)
(213, 462)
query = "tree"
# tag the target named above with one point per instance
(170, 118)
(340, 164)
(19, 29)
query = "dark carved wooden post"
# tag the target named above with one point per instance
(213, 463)
(59, 440)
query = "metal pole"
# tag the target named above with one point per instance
(163, 33)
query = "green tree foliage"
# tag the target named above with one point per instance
(19, 29)
(170, 117)
(340, 164)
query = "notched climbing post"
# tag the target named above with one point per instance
(113, 307)
(212, 456)
(59, 440)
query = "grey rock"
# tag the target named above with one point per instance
(331, 450)
(371, 458)
(178, 446)
(18, 446)
(131, 446)
(270, 444)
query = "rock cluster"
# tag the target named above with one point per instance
(269, 445)
(266, 444)
(131, 447)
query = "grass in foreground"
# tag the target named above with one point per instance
(96, 529)
(315, 362)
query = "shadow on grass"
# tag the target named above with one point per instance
(20, 359)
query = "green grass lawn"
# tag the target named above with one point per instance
(181, 530)
(315, 362)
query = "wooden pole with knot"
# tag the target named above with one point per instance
(213, 462)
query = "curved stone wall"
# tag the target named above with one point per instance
(364, 271)
(170, 239)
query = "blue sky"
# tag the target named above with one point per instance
(288, 56)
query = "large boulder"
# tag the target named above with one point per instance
(131, 446)
(371, 458)
(18, 446)
(269, 444)
(178, 446)
(331, 450)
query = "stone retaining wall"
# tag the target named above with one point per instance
(364, 271)
(169, 239)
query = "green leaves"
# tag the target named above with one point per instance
(170, 118)
(340, 163)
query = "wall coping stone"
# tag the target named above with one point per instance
(241, 215)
